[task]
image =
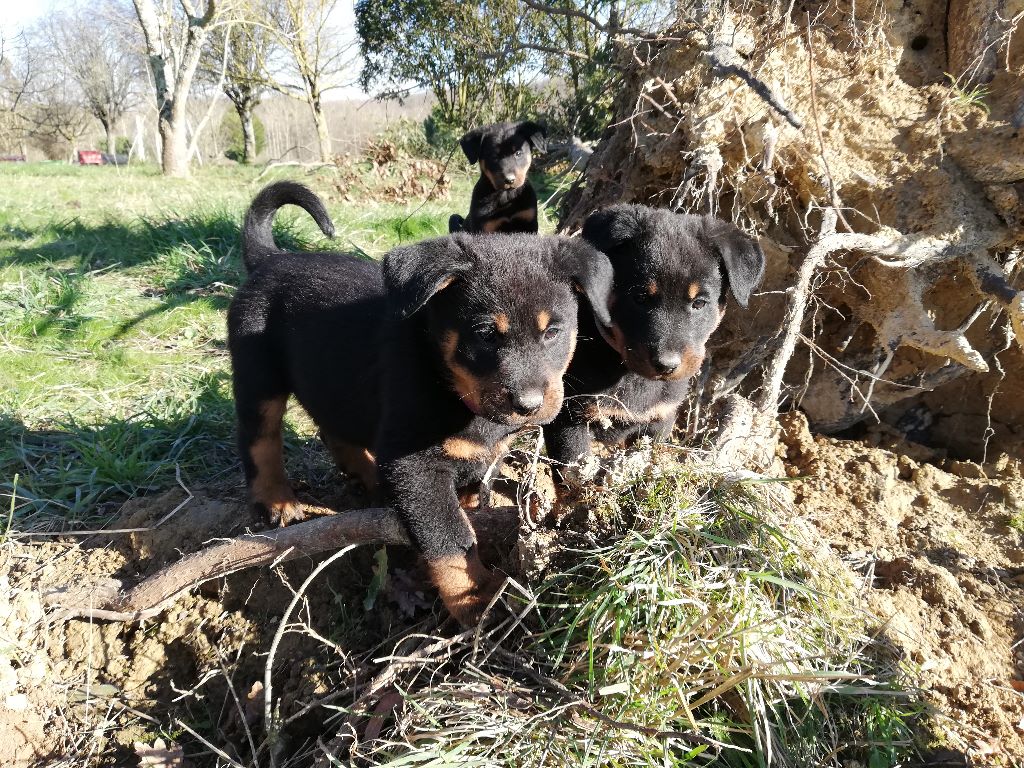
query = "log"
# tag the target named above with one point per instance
(116, 601)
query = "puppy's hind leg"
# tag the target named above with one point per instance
(262, 448)
(353, 460)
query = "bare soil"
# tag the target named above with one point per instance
(943, 571)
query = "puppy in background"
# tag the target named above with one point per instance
(503, 200)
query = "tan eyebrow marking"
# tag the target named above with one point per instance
(652, 288)
(543, 319)
(694, 290)
(501, 322)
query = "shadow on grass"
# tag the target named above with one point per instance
(183, 259)
(71, 473)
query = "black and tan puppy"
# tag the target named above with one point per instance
(503, 199)
(672, 273)
(418, 368)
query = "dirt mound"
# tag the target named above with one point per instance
(942, 550)
(912, 158)
(937, 548)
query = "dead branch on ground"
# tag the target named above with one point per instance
(114, 602)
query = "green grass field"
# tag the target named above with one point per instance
(113, 289)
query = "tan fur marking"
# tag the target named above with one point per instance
(555, 392)
(354, 460)
(528, 214)
(486, 172)
(652, 288)
(543, 319)
(501, 322)
(466, 586)
(693, 290)
(615, 412)
(465, 384)
(270, 487)
(493, 225)
(465, 450)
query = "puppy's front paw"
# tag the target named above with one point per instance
(282, 510)
(466, 586)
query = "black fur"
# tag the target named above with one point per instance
(428, 361)
(503, 199)
(628, 381)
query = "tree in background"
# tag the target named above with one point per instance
(249, 47)
(238, 143)
(174, 45)
(488, 61)
(98, 60)
(441, 45)
(317, 56)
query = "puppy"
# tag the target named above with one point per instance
(672, 273)
(416, 370)
(503, 200)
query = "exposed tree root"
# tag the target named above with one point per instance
(115, 601)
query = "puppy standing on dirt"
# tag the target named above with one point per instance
(417, 369)
(672, 272)
(503, 199)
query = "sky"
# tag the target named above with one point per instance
(17, 14)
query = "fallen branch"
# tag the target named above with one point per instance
(113, 601)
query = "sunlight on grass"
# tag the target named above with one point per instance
(114, 283)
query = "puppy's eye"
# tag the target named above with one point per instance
(485, 332)
(519, 153)
(551, 333)
(699, 304)
(640, 297)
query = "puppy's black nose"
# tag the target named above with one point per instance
(667, 363)
(510, 179)
(527, 403)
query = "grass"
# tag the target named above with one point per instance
(113, 288)
(695, 633)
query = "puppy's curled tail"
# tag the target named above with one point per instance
(257, 232)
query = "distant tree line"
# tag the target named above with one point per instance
(93, 65)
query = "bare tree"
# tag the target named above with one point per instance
(317, 56)
(174, 45)
(98, 60)
(247, 46)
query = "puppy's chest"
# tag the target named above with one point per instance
(634, 401)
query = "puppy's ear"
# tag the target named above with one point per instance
(471, 143)
(535, 134)
(413, 274)
(611, 227)
(741, 255)
(576, 261)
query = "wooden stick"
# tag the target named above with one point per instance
(114, 601)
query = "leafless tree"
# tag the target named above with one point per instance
(174, 44)
(318, 58)
(247, 45)
(100, 62)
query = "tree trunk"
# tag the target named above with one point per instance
(323, 134)
(248, 132)
(108, 128)
(174, 147)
